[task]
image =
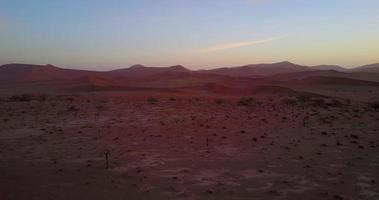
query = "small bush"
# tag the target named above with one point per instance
(247, 101)
(319, 102)
(21, 98)
(335, 103)
(42, 98)
(70, 99)
(73, 109)
(152, 101)
(375, 105)
(220, 101)
(100, 107)
(194, 100)
(303, 99)
(270, 99)
(289, 101)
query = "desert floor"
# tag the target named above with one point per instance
(180, 146)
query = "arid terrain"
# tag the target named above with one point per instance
(279, 131)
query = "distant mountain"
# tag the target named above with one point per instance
(137, 71)
(278, 78)
(30, 73)
(329, 80)
(373, 68)
(179, 75)
(330, 67)
(259, 70)
(325, 73)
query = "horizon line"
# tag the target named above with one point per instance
(200, 69)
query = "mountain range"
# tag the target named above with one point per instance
(28, 72)
(240, 79)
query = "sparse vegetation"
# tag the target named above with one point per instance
(27, 98)
(375, 105)
(247, 101)
(220, 101)
(21, 98)
(42, 98)
(303, 99)
(289, 101)
(318, 102)
(99, 107)
(194, 100)
(335, 103)
(152, 101)
(73, 109)
(207, 126)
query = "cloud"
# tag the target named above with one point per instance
(234, 45)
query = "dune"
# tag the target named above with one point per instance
(97, 81)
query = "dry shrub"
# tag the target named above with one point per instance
(152, 101)
(318, 102)
(247, 101)
(303, 99)
(73, 109)
(375, 105)
(289, 101)
(21, 98)
(335, 103)
(220, 101)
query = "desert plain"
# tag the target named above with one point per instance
(188, 135)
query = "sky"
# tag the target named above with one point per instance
(199, 34)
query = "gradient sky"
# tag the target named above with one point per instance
(108, 34)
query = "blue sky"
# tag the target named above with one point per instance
(98, 34)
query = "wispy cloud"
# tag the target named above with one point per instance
(234, 45)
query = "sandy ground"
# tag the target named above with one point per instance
(186, 147)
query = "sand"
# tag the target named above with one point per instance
(180, 146)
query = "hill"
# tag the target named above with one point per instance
(137, 71)
(372, 68)
(258, 70)
(33, 73)
(330, 67)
